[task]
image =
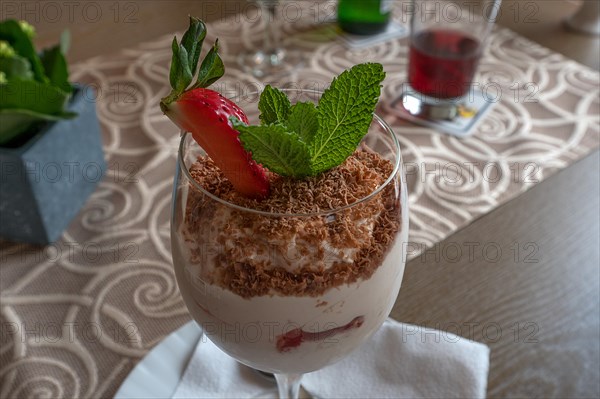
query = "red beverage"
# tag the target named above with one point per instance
(442, 63)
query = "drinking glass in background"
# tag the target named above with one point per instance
(270, 58)
(587, 19)
(447, 39)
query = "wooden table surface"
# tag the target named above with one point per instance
(534, 301)
(536, 304)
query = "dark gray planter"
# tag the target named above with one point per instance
(45, 181)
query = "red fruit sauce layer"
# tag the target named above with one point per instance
(294, 338)
(254, 263)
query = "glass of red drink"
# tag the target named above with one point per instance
(447, 38)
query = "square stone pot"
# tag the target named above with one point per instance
(45, 181)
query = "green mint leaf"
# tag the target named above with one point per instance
(276, 148)
(303, 120)
(212, 68)
(192, 41)
(12, 32)
(345, 112)
(274, 106)
(55, 65)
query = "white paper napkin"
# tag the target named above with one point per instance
(399, 361)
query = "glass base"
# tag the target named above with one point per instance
(261, 64)
(457, 117)
(431, 108)
(274, 394)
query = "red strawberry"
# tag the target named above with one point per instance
(205, 113)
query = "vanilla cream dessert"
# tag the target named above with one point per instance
(293, 293)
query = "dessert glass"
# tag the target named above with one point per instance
(314, 297)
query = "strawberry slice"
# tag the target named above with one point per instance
(295, 337)
(206, 113)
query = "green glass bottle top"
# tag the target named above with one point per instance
(364, 17)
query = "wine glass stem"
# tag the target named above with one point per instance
(271, 38)
(288, 385)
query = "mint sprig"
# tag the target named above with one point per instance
(283, 151)
(303, 120)
(184, 64)
(274, 106)
(345, 113)
(304, 140)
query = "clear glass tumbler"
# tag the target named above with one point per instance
(447, 38)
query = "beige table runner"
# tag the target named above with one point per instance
(78, 315)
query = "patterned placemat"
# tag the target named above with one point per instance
(78, 315)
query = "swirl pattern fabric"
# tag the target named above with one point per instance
(78, 315)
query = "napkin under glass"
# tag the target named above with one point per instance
(399, 361)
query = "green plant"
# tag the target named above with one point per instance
(34, 87)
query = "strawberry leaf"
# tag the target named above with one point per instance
(180, 75)
(276, 148)
(192, 42)
(212, 68)
(274, 106)
(175, 71)
(184, 61)
(186, 72)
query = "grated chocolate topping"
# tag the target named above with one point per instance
(253, 255)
